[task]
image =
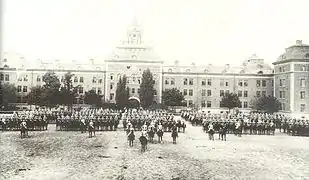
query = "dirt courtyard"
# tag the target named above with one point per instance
(71, 155)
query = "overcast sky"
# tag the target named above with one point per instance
(200, 31)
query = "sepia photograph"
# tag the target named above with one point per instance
(154, 90)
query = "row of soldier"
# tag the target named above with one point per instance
(253, 123)
(139, 118)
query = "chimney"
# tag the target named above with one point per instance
(298, 42)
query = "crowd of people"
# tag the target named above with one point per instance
(36, 120)
(253, 123)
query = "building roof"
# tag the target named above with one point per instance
(297, 51)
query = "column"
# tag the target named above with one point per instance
(160, 84)
(292, 88)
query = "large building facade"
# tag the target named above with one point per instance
(203, 86)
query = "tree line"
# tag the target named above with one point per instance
(54, 92)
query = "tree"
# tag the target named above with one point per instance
(146, 89)
(122, 93)
(9, 95)
(91, 97)
(230, 101)
(172, 97)
(67, 92)
(50, 95)
(267, 104)
(35, 96)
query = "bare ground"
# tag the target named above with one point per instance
(72, 155)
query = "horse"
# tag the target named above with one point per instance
(151, 134)
(131, 138)
(83, 126)
(174, 135)
(160, 135)
(91, 130)
(222, 132)
(23, 130)
(144, 142)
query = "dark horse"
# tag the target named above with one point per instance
(143, 141)
(160, 135)
(174, 135)
(23, 131)
(222, 132)
(91, 130)
(151, 134)
(131, 138)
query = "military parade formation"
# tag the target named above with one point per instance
(251, 124)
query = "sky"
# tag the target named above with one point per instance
(199, 31)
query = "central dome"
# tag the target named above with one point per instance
(297, 51)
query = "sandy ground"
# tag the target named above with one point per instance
(72, 155)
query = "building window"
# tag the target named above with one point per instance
(19, 78)
(221, 104)
(170, 70)
(221, 93)
(302, 107)
(208, 92)
(227, 92)
(100, 81)
(281, 94)
(81, 90)
(111, 86)
(203, 92)
(111, 96)
(75, 79)
(208, 104)
(226, 83)
(38, 78)
(190, 102)
(263, 93)
(302, 94)
(282, 82)
(240, 83)
(1, 77)
(245, 83)
(272, 83)
(203, 104)
(258, 83)
(245, 93)
(185, 92)
(154, 92)
(190, 92)
(133, 90)
(188, 70)
(191, 82)
(209, 82)
(7, 77)
(282, 106)
(203, 82)
(240, 105)
(172, 81)
(302, 83)
(112, 77)
(245, 104)
(166, 81)
(280, 69)
(25, 89)
(185, 81)
(239, 93)
(258, 93)
(263, 83)
(26, 78)
(81, 79)
(139, 81)
(99, 91)
(138, 90)
(94, 80)
(18, 88)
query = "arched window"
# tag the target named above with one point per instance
(98, 68)
(170, 70)
(260, 72)
(6, 66)
(206, 71)
(134, 57)
(242, 71)
(188, 70)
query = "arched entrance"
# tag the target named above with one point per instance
(134, 102)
